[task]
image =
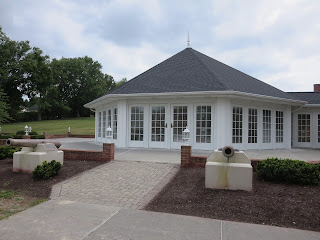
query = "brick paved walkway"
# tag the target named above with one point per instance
(118, 183)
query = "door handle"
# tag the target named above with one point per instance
(166, 125)
(171, 125)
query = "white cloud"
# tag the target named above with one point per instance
(276, 41)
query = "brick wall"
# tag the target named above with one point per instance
(187, 160)
(3, 142)
(82, 155)
(47, 136)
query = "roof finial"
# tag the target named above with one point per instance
(188, 40)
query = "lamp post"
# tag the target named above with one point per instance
(26, 129)
(186, 136)
(109, 134)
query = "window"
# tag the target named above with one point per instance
(203, 127)
(252, 125)
(237, 125)
(318, 128)
(115, 123)
(303, 127)
(279, 127)
(158, 123)
(137, 123)
(99, 124)
(266, 126)
(104, 124)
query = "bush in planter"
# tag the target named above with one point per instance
(4, 136)
(46, 170)
(37, 137)
(7, 152)
(20, 132)
(18, 136)
(287, 170)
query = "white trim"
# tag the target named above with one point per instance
(231, 94)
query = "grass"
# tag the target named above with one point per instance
(6, 194)
(77, 125)
(12, 203)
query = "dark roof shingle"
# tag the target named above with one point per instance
(310, 97)
(190, 71)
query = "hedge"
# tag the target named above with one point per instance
(290, 171)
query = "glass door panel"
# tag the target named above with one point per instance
(158, 126)
(179, 123)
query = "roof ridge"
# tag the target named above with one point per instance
(239, 71)
(214, 74)
(136, 77)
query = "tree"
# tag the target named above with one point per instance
(4, 107)
(12, 74)
(80, 81)
(38, 79)
(122, 81)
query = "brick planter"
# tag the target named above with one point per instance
(187, 160)
(106, 155)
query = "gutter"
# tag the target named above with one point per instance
(202, 93)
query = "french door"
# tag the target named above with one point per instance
(158, 127)
(179, 122)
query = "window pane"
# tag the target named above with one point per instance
(237, 125)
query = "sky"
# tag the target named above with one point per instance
(276, 41)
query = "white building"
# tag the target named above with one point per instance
(217, 103)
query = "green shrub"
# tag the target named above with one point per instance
(20, 132)
(7, 152)
(287, 170)
(46, 170)
(3, 136)
(18, 136)
(37, 137)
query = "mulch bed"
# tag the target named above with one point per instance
(25, 184)
(277, 204)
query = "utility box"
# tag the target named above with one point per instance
(228, 169)
(28, 158)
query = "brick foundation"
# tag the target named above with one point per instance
(106, 155)
(187, 160)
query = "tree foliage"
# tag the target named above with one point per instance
(12, 73)
(80, 81)
(4, 107)
(59, 88)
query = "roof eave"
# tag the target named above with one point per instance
(112, 97)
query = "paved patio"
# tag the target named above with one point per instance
(126, 184)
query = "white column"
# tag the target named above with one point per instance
(96, 116)
(223, 125)
(287, 126)
(122, 123)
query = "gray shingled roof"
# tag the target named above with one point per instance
(190, 71)
(310, 97)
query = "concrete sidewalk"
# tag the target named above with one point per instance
(67, 220)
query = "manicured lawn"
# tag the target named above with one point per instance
(77, 125)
